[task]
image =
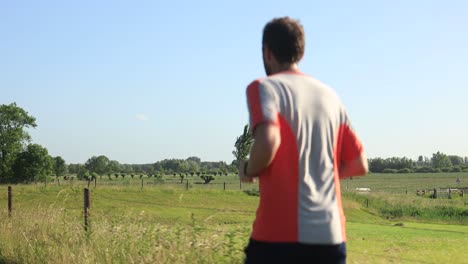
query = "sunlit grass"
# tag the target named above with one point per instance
(167, 224)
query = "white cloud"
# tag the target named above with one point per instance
(141, 117)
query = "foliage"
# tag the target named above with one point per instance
(33, 163)
(243, 144)
(13, 122)
(99, 165)
(60, 168)
(440, 160)
(378, 165)
(82, 172)
(113, 166)
(207, 178)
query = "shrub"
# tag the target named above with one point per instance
(389, 171)
(158, 178)
(423, 169)
(405, 170)
(446, 169)
(207, 178)
(182, 176)
(252, 192)
(436, 170)
(456, 169)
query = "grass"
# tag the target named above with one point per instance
(400, 183)
(167, 224)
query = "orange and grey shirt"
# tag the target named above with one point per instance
(300, 198)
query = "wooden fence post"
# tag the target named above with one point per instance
(86, 208)
(224, 188)
(10, 198)
(95, 182)
(142, 184)
(186, 186)
(240, 185)
(367, 203)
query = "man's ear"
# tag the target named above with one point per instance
(267, 53)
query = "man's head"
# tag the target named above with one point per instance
(283, 44)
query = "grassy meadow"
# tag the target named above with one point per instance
(165, 223)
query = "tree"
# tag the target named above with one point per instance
(113, 166)
(243, 144)
(33, 163)
(455, 160)
(150, 170)
(13, 122)
(99, 165)
(60, 168)
(74, 168)
(207, 178)
(440, 160)
(420, 160)
(194, 159)
(82, 171)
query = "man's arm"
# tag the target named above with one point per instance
(267, 140)
(355, 167)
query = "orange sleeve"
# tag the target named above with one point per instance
(351, 146)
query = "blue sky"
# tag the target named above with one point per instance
(140, 81)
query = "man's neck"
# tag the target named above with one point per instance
(286, 67)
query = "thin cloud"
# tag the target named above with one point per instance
(141, 117)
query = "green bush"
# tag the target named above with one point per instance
(207, 178)
(405, 170)
(423, 169)
(446, 169)
(389, 171)
(252, 192)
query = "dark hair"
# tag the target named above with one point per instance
(285, 38)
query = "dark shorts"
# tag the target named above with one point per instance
(264, 252)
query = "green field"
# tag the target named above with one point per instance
(165, 223)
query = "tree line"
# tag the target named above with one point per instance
(439, 162)
(23, 161)
(102, 165)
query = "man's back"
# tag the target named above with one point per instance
(303, 144)
(300, 191)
